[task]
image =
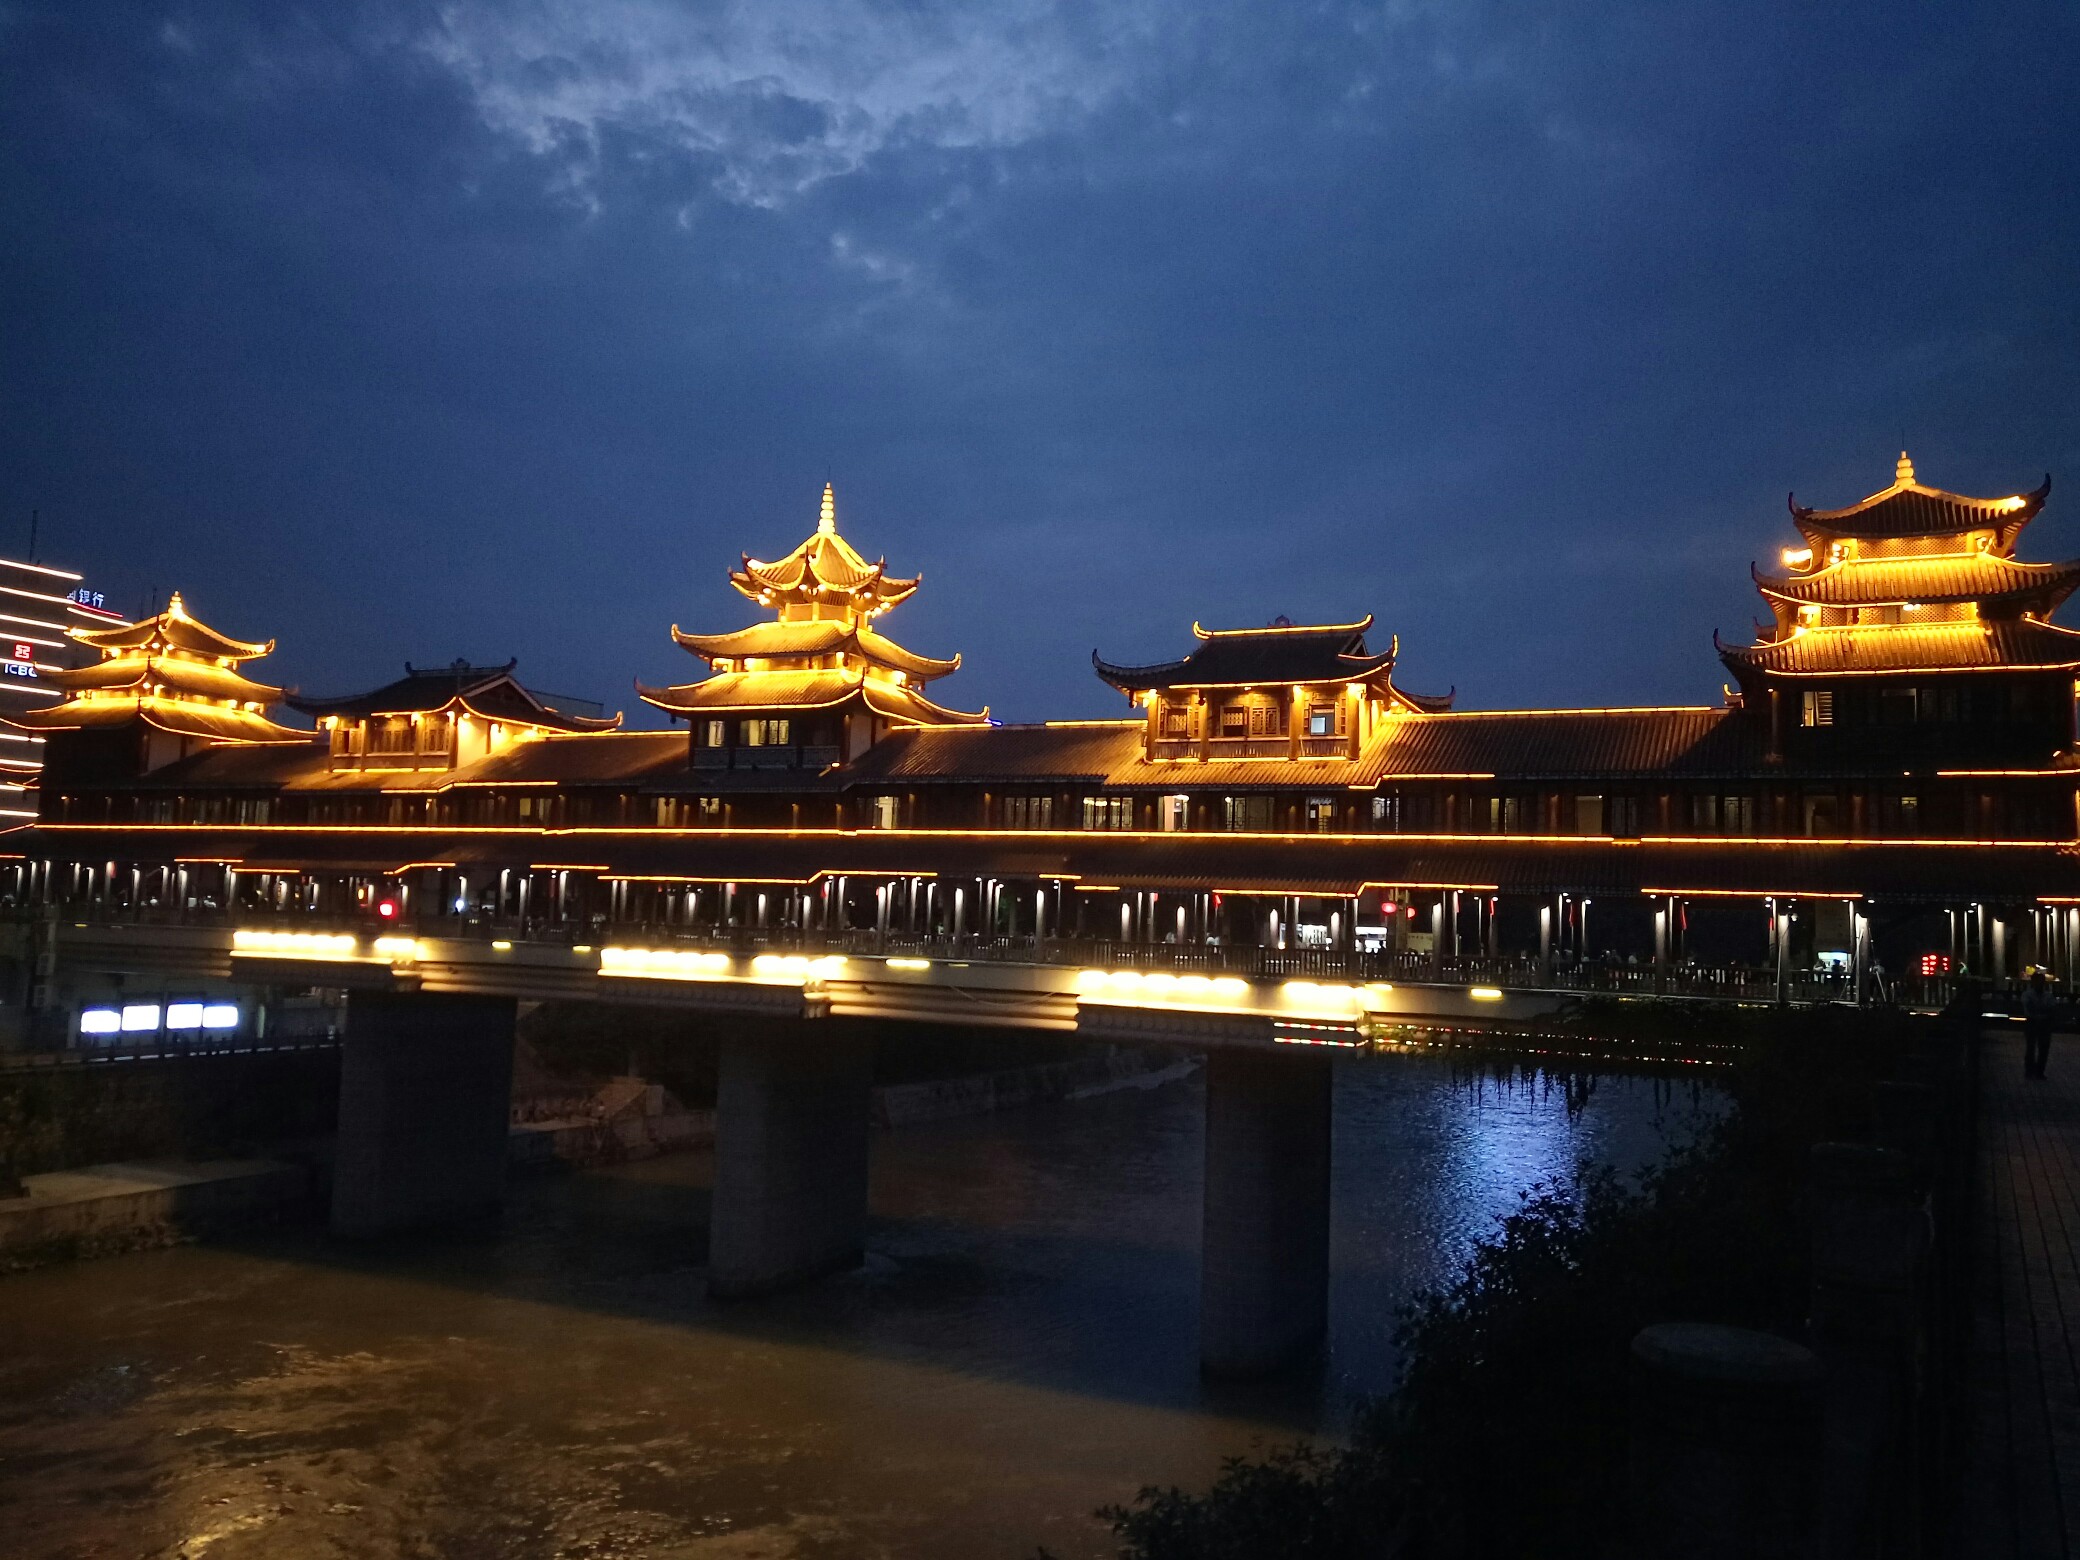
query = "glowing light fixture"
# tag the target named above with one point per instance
(140, 1016)
(220, 1015)
(184, 1015)
(662, 963)
(1484, 993)
(399, 950)
(100, 1021)
(294, 945)
(908, 964)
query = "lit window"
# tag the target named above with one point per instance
(1817, 708)
(220, 1015)
(713, 734)
(100, 1021)
(184, 1015)
(140, 1016)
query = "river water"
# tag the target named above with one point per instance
(1018, 1349)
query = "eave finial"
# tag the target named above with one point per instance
(827, 521)
(1903, 473)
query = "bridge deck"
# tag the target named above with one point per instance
(2022, 1492)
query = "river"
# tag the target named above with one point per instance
(1018, 1349)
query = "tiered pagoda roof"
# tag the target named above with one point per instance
(821, 649)
(491, 693)
(1912, 579)
(1283, 655)
(171, 672)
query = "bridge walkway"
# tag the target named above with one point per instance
(2021, 1496)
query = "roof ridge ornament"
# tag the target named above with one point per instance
(827, 517)
(1903, 471)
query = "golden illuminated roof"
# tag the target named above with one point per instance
(1945, 577)
(183, 718)
(810, 637)
(800, 690)
(1970, 644)
(172, 630)
(1909, 509)
(823, 571)
(162, 674)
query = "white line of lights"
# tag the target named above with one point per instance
(144, 1017)
(908, 964)
(299, 945)
(662, 963)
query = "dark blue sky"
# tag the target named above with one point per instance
(413, 331)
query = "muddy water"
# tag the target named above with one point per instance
(1018, 1349)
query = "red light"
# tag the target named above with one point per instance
(387, 909)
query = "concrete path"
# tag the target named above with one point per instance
(2021, 1498)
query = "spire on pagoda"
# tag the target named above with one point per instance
(172, 672)
(1912, 578)
(820, 653)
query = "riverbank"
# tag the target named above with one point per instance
(103, 1210)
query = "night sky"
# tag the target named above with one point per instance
(407, 332)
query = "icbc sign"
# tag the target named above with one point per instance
(23, 663)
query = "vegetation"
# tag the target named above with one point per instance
(1505, 1434)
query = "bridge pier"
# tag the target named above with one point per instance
(791, 1109)
(1264, 1256)
(425, 1105)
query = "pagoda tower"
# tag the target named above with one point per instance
(166, 686)
(817, 685)
(1907, 626)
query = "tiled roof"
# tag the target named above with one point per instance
(210, 722)
(1954, 577)
(756, 691)
(802, 690)
(1909, 509)
(824, 565)
(1537, 743)
(204, 679)
(489, 692)
(608, 758)
(1967, 645)
(1247, 657)
(823, 636)
(173, 629)
(1520, 745)
(1068, 753)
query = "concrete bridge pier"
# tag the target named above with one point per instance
(791, 1112)
(1264, 1257)
(425, 1104)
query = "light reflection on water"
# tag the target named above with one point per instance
(1019, 1348)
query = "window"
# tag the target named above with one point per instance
(1173, 813)
(709, 809)
(1622, 815)
(1737, 814)
(1505, 814)
(1263, 720)
(434, 734)
(1028, 812)
(1177, 720)
(1896, 706)
(1822, 814)
(1321, 721)
(1108, 812)
(1588, 815)
(1386, 811)
(1816, 707)
(1321, 814)
(1704, 814)
(346, 741)
(392, 734)
(714, 733)
(886, 814)
(1246, 814)
(1234, 720)
(768, 732)
(1899, 813)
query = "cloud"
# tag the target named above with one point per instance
(785, 97)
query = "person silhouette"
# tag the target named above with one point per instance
(2038, 1010)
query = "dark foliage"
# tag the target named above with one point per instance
(1505, 1435)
